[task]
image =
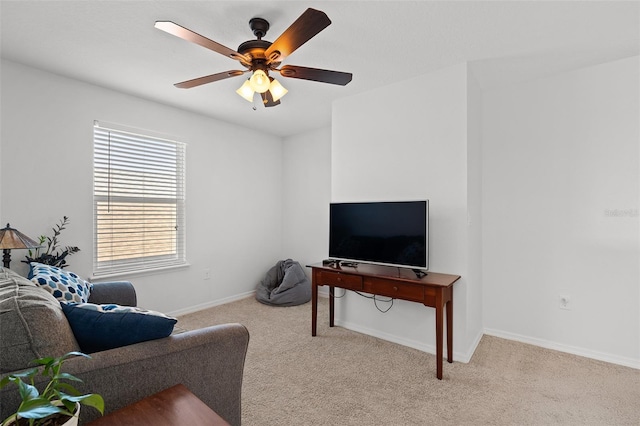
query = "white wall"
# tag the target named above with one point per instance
(306, 196)
(561, 197)
(234, 183)
(474, 209)
(1, 120)
(409, 141)
(559, 160)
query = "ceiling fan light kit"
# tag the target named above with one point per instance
(260, 57)
(259, 81)
(277, 90)
(249, 88)
(246, 91)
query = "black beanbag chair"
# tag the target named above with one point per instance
(285, 284)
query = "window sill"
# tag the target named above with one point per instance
(150, 271)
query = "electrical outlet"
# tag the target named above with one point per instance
(207, 274)
(565, 302)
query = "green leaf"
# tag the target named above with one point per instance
(25, 374)
(28, 373)
(69, 405)
(69, 389)
(27, 391)
(91, 400)
(74, 353)
(45, 361)
(38, 408)
(67, 376)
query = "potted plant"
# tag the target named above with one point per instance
(52, 255)
(58, 404)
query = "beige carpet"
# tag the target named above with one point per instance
(342, 377)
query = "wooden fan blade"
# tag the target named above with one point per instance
(267, 99)
(315, 74)
(186, 34)
(208, 79)
(310, 23)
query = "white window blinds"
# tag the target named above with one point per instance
(138, 202)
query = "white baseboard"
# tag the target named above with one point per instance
(587, 353)
(463, 357)
(201, 306)
(212, 303)
(323, 293)
(474, 346)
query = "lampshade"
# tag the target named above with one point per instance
(11, 238)
(259, 81)
(246, 91)
(277, 90)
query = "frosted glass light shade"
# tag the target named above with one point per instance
(259, 81)
(277, 90)
(246, 91)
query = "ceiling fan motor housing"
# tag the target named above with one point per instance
(259, 27)
(255, 49)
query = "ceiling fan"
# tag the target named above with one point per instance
(260, 57)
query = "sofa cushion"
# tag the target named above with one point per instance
(102, 327)
(32, 324)
(64, 286)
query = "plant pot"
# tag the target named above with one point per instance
(51, 420)
(73, 421)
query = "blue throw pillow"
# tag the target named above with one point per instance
(101, 327)
(65, 286)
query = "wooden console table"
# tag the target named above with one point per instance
(173, 406)
(434, 290)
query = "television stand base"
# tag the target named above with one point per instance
(338, 263)
(419, 273)
(435, 290)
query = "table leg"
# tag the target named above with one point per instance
(439, 324)
(331, 305)
(450, 329)
(314, 307)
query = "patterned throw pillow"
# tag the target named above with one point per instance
(65, 286)
(101, 327)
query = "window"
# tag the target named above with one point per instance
(138, 191)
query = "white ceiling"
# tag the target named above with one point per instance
(114, 44)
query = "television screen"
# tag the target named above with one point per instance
(391, 233)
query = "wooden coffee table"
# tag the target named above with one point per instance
(173, 406)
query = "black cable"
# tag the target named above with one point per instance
(338, 297)
(375, 301)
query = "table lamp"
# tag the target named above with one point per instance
(11, 238)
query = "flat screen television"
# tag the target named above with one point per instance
(392, 233)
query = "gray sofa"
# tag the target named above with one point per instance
(208, 361)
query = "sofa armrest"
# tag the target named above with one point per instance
(208, 361)
(117, 292)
